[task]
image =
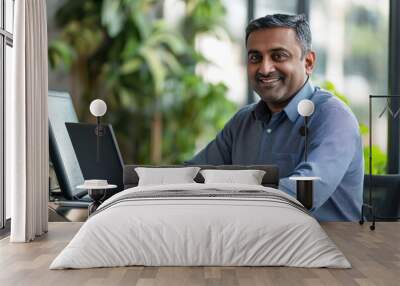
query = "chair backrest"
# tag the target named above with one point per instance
(270, 179)
(66, 166)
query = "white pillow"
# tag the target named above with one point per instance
(248, 177)
(163, 176)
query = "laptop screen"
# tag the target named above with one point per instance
(98, 158)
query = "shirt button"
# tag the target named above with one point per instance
(269, 130)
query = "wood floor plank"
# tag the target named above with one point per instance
(374, 255)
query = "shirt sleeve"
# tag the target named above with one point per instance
(219, 150)
(333, 142)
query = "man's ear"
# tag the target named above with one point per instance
(310, 60)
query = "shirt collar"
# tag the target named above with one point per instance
(305, 92)
(262, 112)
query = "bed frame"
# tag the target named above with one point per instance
(270, 179)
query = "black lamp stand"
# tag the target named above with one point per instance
(305, 186)
(99, 131)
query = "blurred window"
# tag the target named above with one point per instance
(8, 69)
(9, 15)
(351, 41)
(265, 7)
(225, 51)
(6, 60)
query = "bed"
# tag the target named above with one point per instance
(201, 224)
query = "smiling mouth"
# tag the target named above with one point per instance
(268, 82)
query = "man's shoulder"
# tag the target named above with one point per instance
(242, 119)
(245, 112)
(324, 98)
(329, 108)
(327, 103)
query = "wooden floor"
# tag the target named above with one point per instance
(375, 256)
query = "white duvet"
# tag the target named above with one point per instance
(200, 231)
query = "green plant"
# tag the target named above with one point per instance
(379, 161)
(124, 52)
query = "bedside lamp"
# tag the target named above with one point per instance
(98, 108)
(305, 108)
(304, 185)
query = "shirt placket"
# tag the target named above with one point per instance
(268, 138)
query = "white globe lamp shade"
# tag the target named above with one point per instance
(98, 107)
(305, 107)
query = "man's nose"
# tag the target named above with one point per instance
(267, 66)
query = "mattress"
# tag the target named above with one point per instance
(201, 225)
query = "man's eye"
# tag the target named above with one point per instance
(279, 57)
(253, 58)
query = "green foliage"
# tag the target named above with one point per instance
(329, 86)
(208, 112)
(202, 16)
(363, 129)
(124, 52)
(379, 161)
(367, 44)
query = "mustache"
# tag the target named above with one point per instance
(260, 76)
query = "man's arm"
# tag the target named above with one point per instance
(217, 152)
(334, 141)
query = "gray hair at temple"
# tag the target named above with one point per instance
(298, 23)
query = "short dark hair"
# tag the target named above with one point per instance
(298, 23)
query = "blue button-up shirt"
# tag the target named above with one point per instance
(255, 136)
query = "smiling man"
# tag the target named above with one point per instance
(279, 64)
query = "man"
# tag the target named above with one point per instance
(279, 64)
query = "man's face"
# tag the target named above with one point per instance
(275, 66)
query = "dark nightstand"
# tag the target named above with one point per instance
(97, 194)
(304, 189)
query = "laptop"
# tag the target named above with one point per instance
(98, 157)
